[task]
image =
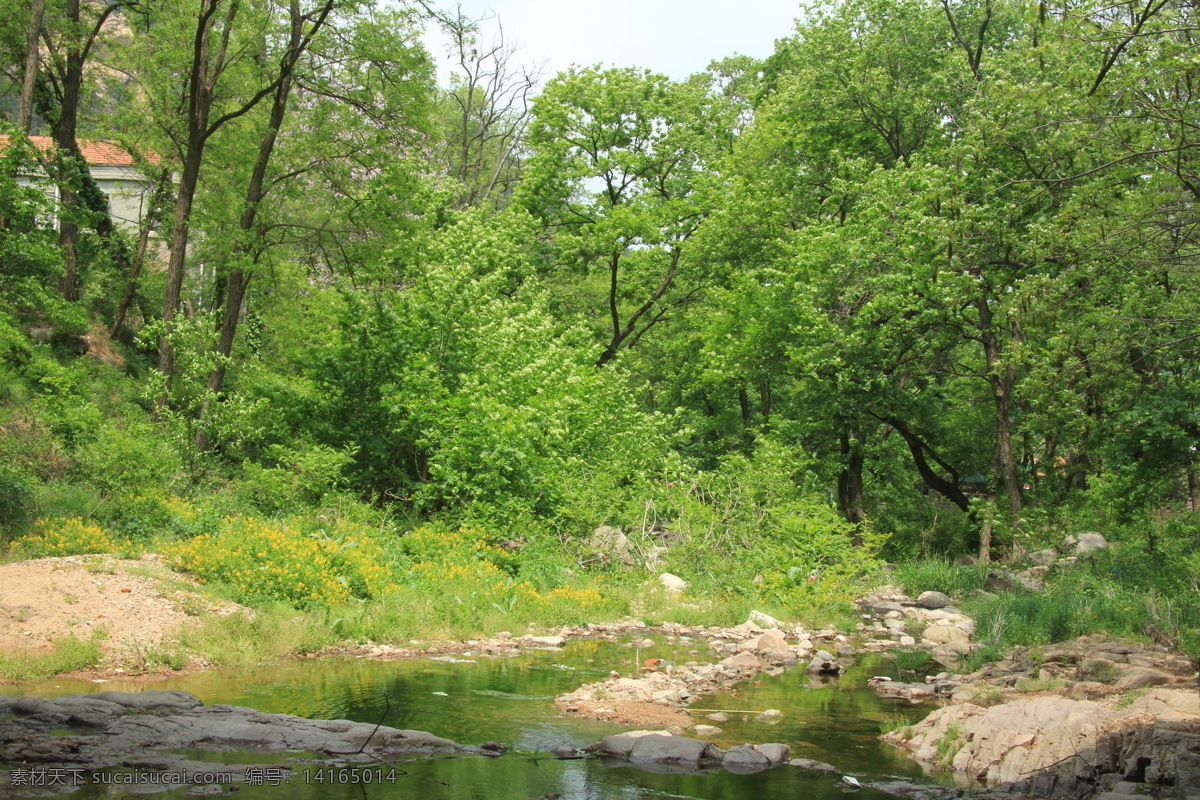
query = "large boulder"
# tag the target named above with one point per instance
(1044, 558)
(745, 758)
(1085, 544)
(611, 543)
(933, 600)
(656, 747)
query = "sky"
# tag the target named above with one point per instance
(674, 37)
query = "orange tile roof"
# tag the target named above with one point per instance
(94, 151)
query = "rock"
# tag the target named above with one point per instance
(952, 650)
(1044, 558)
(673, 750)
(766, 620)
(546, 641)
(771, 716)
(745, 757)
(784, 658)
(131, 730)
(742, 661)
(816, 766)
(824, 662)
(613, 544)
(775, 753)
(941, 634)
(705, 730)
(1101, 669)
(1141, 677)
(933, 600)
(719, 717)
(884, 606)
(1187, 776)
(770, 640)
(907, 641)
(672, 583)
(1086, 543)
(745, 630)
(565, 751)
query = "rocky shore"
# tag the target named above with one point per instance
(120, 731)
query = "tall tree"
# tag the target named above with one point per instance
(211, 61)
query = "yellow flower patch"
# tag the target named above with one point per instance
(67, 536)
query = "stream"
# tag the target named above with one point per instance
(474, 699)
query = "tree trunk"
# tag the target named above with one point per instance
(1193, 489)
(850, 480)
(149, 223)
(68, 158)
(32, 58)
(1001, 378)
(235, 288)
(234, 296)
(199, 92)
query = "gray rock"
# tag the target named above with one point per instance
(129, 729)
(1087, 543)
(775, 753)
(765, 620)
(745, 757)
(933, 600)
(1187, 776)
(612, 544)
(816, 766)
(883, 606)
(823, 662)
(666, 749)
(783, 657)
(1044, 558)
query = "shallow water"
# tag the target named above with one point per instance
(508, 700)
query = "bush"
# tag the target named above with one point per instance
(66, 537)
(263, 561)
(16, 498)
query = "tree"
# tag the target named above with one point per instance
(212, 66)
(618, 171)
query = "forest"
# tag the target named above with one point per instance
(918, 286)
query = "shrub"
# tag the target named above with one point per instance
(66, 537)
(266, 560)
(16, 498)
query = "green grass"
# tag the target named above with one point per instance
(68, 653)
(939, 575)
(949, 745)
(1075, 605)
(896, 722)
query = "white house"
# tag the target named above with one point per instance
(128, 190)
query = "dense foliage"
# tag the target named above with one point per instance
(920, 283)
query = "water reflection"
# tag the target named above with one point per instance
(836, 721)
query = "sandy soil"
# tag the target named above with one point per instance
(633, 712)
(136, 603)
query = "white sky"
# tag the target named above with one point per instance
(675, 37)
